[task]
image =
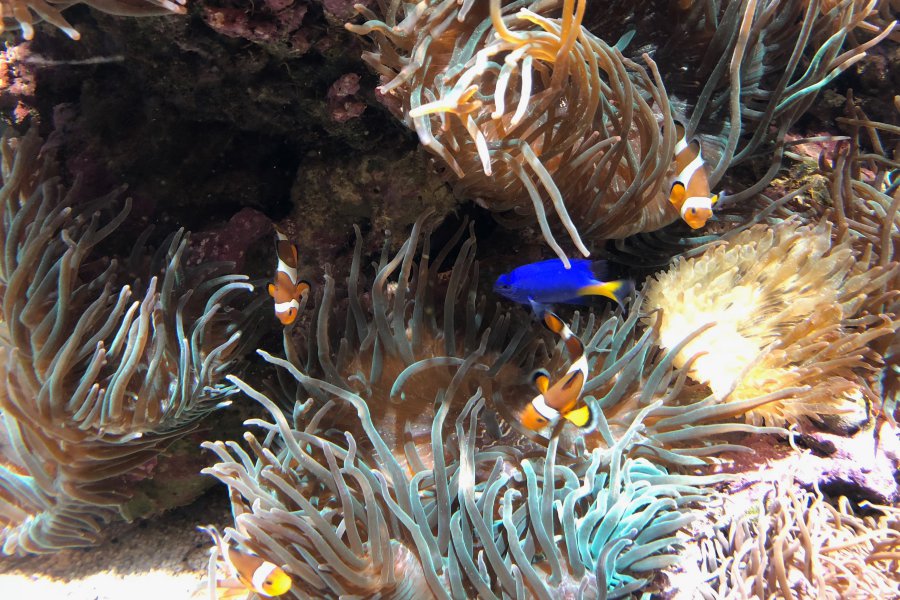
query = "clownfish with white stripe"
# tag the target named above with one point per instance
(246, 572)
(563, 398)
(287, 290)
(690, 193)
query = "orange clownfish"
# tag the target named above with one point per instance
(563, 397)
(247, 572)
(286, 289)
(690, 192)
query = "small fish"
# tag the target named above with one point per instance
(549, 281)
(286, 289)
(690, 192)
(247, 572)
(563, 397)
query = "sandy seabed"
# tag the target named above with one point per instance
(163, 558)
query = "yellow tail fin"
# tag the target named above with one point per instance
(579, 416)
(614, 290)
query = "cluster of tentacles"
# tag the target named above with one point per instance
(394, 453)
(99, 377)
(23, 14)
(531, 111)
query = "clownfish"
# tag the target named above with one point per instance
(563, 397)
(549, 281)
(286, 290)
(247, 572)
(690, 191)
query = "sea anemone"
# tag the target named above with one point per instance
(396, 468)
(758, 67)
(794, 543)
(23, 14)
(531, 113)
(783, 307)
(96, 385)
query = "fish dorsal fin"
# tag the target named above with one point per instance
(678, 194)
(573, 382)
(541, 380)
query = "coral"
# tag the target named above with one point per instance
(531, 113)
(20, 14)
(97, 385)
(270, 22)
(783, 307)
(342, 100)
(795, 544)
(399, 475)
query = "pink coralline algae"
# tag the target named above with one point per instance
(270, 21)
(343, 104)
(343, 9)
(229, 241)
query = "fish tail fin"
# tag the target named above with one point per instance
(580, 416)
(617, 290)
(573, 345)
(554, 323)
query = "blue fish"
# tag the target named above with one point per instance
(549, 282)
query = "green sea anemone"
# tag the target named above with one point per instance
(395, 458)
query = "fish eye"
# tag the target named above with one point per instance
(693, 211)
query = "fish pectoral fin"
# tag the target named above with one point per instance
(537, 307)
(678, 194)
(713, 200)
(271, 289)
(302, 288)
(579, 416)
(541, 380)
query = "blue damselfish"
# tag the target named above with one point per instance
(550, 282)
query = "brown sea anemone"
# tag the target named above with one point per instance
(531, 113)
(96, 383)
(784, 307)
(794, 543)
(23, 14)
